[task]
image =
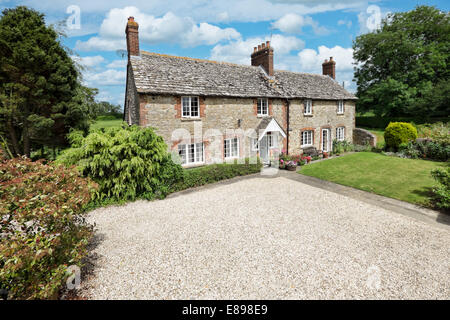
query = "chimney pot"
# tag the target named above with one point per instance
(331, 58)
(255, 49)
(267, 43)
(263, 45)
(259, 47)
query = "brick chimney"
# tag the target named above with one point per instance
(263, 56)
(132, 32)
(329, 68)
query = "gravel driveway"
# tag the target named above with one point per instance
(262, 238)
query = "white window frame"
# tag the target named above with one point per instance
(340, 133)
(230, 142)
(262, 107)
(308, 107)
(254, 143)
(187, 159)
(307, 138)
(340, 107)
(188, 113)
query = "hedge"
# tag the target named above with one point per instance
(383, 122)
(216, 172)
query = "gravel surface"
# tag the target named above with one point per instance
(262, 238)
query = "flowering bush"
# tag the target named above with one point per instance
(306, 158)
(42, 226)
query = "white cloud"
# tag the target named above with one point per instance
(117, 64)
(168, 28)
(311, 60)
(109, 77)
(100, 44)
(347, 23)
(293, 23)
(206, 10)
(89, 62)
(239, 51)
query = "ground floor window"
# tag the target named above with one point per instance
(192, 153)
(231, 148)
(307, 138)
(340, 133)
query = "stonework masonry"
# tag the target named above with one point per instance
(219, 114)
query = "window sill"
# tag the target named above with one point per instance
(193, 165)
(306, 146)
(262, 116)
(307, 115)
(340, 113)
(191, 119)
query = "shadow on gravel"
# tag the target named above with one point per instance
(90, 262)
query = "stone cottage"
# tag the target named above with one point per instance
(209, 111)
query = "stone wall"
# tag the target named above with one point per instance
(362, 137)
(131, 107)
(324, 115)
(219, 114)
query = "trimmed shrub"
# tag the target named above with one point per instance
(127, 163)
(397, 133)
(43, 229)
(442, 190)
(216, 172)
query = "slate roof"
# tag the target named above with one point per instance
(163, 74)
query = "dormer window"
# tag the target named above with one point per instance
(190, 107)
(263, 107)
(308, 107)
(340, 107)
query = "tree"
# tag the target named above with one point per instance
(40, 95)
(105, 108)
(403, 67)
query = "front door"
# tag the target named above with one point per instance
(325, 140)
(264, 149)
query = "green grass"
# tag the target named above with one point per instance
(404, 179)
(106, 124)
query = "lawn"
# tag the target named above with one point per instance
(379, 133)
(106, 123)
(404, 179)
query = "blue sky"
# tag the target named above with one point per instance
(303, 32)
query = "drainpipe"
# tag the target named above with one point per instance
(287, 125)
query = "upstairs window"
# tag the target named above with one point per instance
(340, 133)
(190, 107)
(340, 107)
(263, 107)
(231, 148)
(192, 153)
(307, 138)
(308, 107)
